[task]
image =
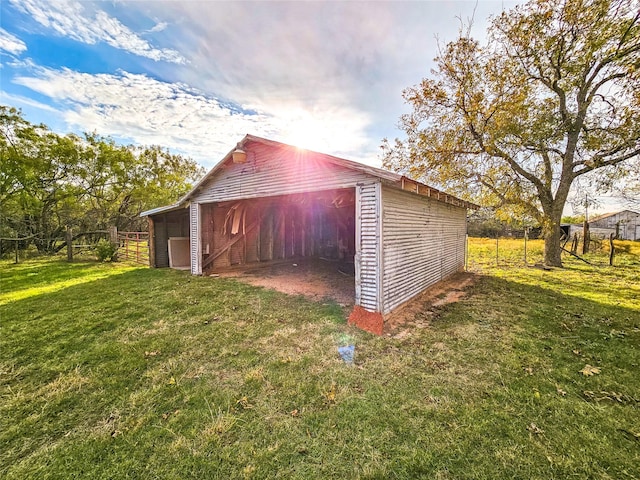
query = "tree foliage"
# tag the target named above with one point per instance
(553, 95)
(49, 181)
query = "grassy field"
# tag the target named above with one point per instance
(112, 371)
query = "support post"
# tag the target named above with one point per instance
(113, 235)
(611, 249)
(574, 243)
(69, 239)
(585, 237)
(152, 242)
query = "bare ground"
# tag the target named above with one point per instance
(315, 279)
(320, 280)
(422, 309)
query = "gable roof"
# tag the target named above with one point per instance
(607, 215)
(399, 181)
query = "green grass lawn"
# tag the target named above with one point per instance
(113, 371)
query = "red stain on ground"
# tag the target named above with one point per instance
(369, 321)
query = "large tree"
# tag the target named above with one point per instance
(553, 94)
(50, 181)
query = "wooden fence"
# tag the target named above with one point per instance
(134, 247)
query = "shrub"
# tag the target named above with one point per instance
(105, 250)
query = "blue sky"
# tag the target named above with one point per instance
(196, 76)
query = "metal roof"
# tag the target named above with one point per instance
(400, 181)
(168, 208)
(607, 215)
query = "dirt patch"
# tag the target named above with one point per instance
(315, 279)
(418, 312)
(368, 321)
(320, 280)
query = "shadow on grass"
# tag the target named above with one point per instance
(558, 330)
(139, 298)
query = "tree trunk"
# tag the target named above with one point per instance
(552, 208)
(552, 248)
(69, 239)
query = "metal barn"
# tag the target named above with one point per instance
(268, 202)
(625, 225)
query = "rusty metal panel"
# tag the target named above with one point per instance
(270, 172)
(206, 230)
(236, 254)
(367, 258)
(253, 237)
(423, 243)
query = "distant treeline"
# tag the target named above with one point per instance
(484, 223)
(49, 182)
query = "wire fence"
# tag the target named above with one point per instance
(519, 251)
(130, 246)
(503, 251)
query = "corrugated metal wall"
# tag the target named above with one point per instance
(268, 173)
(423, 243)
(194, 216)
(367, 259)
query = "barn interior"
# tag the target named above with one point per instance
(313, 229)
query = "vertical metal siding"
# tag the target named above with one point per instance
(626, 222)
(269, 172)
(219, 240)
(367, 259)
(194, 234)
(423, 243)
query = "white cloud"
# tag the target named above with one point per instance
(328, 75)
(318, 57)
(308, 51)
(147, 111)
(9, 99)
(158, 27)
(10, 43)
(70, 19)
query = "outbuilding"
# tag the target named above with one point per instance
(268, 202)
(625, 225)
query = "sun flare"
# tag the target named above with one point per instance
(334, 131)
(309, 134)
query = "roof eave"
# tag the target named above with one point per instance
(165, 209)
